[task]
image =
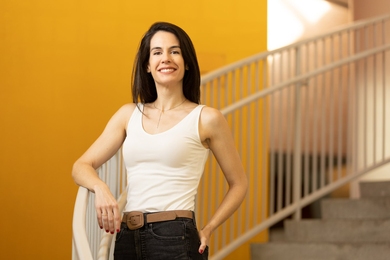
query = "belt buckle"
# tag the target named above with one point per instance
(135, 220)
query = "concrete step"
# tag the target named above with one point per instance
(276, 234)
(375, 189)
(320, 251)
(365, 208)
(342, 231)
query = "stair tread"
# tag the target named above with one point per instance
(350, 229)
(338, 244)
(319, 251)
(365, 208)
(338, 230)
(374, 189)
(339, 220)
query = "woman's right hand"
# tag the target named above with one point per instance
(84, 169)
(107, 210)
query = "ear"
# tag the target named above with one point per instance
(148, 68)
(187, 67)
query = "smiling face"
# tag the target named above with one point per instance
(166, 63)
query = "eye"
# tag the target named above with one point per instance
(175, 52)
(157, 53)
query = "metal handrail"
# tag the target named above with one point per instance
(260, 56)
(302, 78)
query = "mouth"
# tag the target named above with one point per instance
(167, 70)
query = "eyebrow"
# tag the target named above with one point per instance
(159, 48)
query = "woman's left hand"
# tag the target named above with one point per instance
(204, 236)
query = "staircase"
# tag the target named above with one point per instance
(349, 229)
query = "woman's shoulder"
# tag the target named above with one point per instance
(211, 116)
(127, 108)
(211, 112)
(212, 124)
(125, 111)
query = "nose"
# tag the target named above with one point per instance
(166, 58)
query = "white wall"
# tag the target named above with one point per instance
(293, 20)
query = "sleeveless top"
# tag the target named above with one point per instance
(164, 169)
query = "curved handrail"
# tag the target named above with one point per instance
(87, 235)
(80, 240)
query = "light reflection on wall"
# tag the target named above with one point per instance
(287, 19)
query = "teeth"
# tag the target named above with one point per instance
(167, 70)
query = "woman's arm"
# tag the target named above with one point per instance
(216, 134)
(84, 169)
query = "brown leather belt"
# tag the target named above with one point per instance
(136, 219)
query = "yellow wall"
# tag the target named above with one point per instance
(64, 70)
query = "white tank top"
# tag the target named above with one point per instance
(163, 170)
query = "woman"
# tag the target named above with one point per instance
(166, 136)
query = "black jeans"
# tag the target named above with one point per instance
(169, 240)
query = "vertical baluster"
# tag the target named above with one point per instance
(306, 132)
(272, 142)
(289, 120)
(357, 145)
(340, 113)
(297, 183)
(374, 89)
(384, 90)
(234, 89)
(350, 93)
(257, 118)
(332, 82)
(323, 122)
(226, 79)
(365, 83)
(249, 144)
(314, 171)
(219, 99)
(266, 145)
(280, 145)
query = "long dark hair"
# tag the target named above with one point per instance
(143, 85)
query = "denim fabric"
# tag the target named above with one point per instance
(169, 240)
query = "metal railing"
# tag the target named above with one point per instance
(307, 119)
